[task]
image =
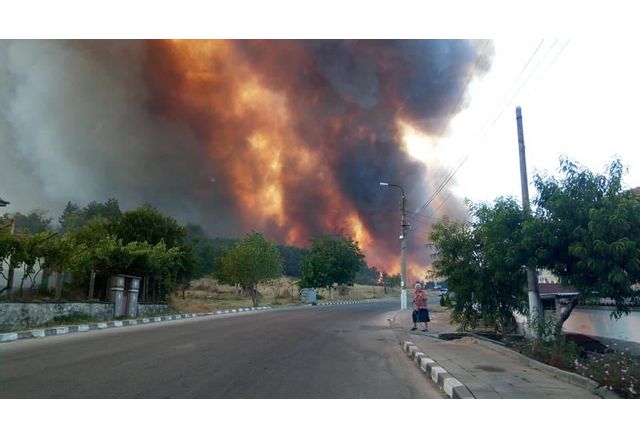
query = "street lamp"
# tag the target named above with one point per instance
(403, 248)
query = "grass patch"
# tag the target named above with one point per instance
(208, 295)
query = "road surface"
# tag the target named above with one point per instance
(345, 351)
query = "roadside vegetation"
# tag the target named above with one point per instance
(181, 266)
(585, 229)
(208, 295)
(610, 365)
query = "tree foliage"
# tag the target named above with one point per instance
(392, 280)
(207, 251)
(148, 224)
(74, 217)
(292, 258)
(98, 238)
(35, 221)
(331, 260)
(483, 262)
(250, 261)
(587, 232)
(367, 275)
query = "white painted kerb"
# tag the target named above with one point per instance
(435, 371)
(449, 384)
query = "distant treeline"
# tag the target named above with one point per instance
(146, 224)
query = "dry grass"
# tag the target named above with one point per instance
(360, 292)
(207, 295)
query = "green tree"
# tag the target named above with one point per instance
(74, 217)
(33, 222)
(58, 255)
(587, 232)
(207, 251)
(393, 280)
(9, 245)
(148, 224)
(109, 210)
(457, 259)
(502, 271)
(331, 260)
(367, 275)
(250, 261)
(29, 251)
(292, 258)
(71, 217)
(483, 262)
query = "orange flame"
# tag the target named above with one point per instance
(263, 172)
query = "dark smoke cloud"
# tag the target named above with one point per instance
(91, 120)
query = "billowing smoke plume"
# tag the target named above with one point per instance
(288, 137)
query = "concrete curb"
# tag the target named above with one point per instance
(451, 386)
(562, 375)
(62, 330)
(352, 302)
(47, 332)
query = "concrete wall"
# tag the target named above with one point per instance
(30, 315)
(25, 315)
(151, 309)
(595, 321)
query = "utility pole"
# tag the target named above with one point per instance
(532, 281)
(403, 247)
(403, 255)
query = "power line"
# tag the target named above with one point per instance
(442, 204)
(454, 170)
(488, 130)
(462, 93)
(515, 81)
(543, 74)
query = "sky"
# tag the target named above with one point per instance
(578, 99)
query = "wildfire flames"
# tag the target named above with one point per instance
(297, 134)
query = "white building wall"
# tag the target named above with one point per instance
(17, 277)
(597, 322)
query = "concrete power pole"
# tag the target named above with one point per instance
(403, 255)
(532, 284)
(403, 246)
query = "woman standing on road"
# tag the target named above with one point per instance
(420, 309)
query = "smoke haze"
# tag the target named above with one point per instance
(287, 137)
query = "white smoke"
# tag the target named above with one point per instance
(75, 125)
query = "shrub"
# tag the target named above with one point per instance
(618, 371)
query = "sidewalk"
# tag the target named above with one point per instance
(483, 369)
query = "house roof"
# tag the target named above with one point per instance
(556, 289)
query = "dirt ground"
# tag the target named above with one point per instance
(207, 295)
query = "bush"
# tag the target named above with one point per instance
(550, 346)
(618, 371)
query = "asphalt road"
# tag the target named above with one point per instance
(346, 351)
